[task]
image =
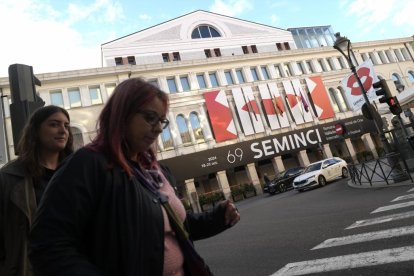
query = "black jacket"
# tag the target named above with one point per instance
(93, 220)
(17, 208)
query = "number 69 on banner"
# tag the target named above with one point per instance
(238, 153)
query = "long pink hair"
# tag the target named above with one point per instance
(128, 97)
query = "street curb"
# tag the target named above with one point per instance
(379, 185)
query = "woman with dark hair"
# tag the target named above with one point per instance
(46, 140)
(111, 209)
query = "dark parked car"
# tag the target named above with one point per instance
(283, 181)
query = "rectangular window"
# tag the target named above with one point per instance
(300, 67)
(95, 94)
(254, 74)
(217, 52)
(56, 98)
(110, 89)
(254, 49)
(278, 71)
(240, 76)
(172, 86)
(165, 57)
(154, 82)
(131, 60)
(330, 64)
(398, 55)
(229, 77)
(245, 50)
(287, 46)
(118, 61)
(201, 81)
(341, 65)
(309, 66)
(279, 46)
(265, 73)
(287, 70)
(184, 83)
(213, 79)
(176, 56)
(74, 97)
(321, 65)
(207, 52)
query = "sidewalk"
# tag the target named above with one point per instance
(380, 184)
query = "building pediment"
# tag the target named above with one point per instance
(180, 29)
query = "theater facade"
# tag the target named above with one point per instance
(245, 98)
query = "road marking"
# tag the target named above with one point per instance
(371, 236)
(394, 206)
(410, 190)
(403, 197)
(372, 258)
(382, 219)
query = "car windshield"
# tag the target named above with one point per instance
(313, 167)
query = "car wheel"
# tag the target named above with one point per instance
(344, 172)
(321, 180)
(272, 191)
(282, 187)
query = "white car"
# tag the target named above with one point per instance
(319, 173)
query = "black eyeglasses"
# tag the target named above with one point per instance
(153, 119)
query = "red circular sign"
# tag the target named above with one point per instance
(339, 129)
(366, 79)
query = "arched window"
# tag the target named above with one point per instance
(411, 76)
(341, 99)
(195, 124)
(166, 138)
(396, 78)
(338, 100)
(77, 138)
(335, 105)
(183, 129)
(204, 31)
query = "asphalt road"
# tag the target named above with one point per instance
(276, 232)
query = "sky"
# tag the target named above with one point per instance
(60, 35)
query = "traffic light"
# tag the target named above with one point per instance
(24, 98)
(395, 107)
(383, 91)
(387, 97)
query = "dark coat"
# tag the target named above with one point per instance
(93, 220)
(17, 207)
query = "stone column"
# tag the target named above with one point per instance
(351, 150)
(192, 195)
(278, 165)
(224, 184)
(303, 158)
(175, 133)
(327, 151)
(254, 178)
(191, 131)
(369, 144)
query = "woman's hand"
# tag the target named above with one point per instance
(231, 214)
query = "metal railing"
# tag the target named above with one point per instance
(390, 169)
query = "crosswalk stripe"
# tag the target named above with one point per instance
(372, 258)
(410, 190)
(392, 207)
(403, 197)
(382, 219)
(365, 237)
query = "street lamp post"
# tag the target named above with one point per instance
(343, 45)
